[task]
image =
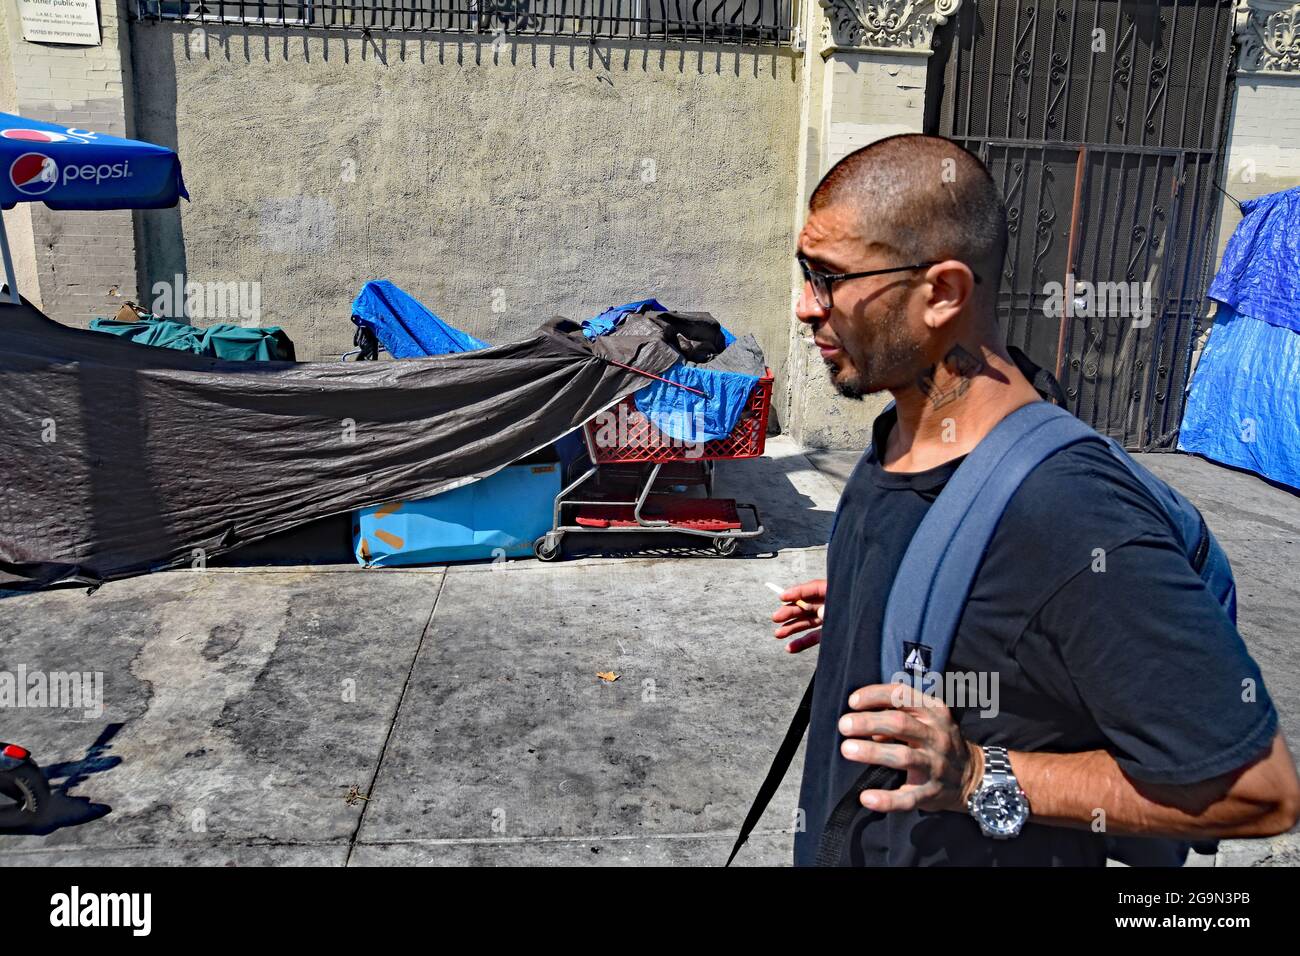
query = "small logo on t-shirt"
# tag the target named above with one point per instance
(916, 657)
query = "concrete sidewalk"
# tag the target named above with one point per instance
(453, 715)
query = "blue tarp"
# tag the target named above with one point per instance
(1260, 273)
(613, 317)
(676, 412)
(404, 326)
(691, 418)
(1243, 403)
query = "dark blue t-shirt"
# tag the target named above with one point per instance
(1100, 633)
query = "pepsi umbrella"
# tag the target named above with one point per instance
(68, 168)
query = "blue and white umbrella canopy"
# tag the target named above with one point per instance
(69, 168)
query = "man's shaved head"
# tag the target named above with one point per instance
(921, 198)
(924, 215)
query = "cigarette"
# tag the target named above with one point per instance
(780, 590)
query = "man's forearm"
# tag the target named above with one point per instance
(1088, 790)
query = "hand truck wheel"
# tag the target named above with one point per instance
(544, 550)
(724, 546)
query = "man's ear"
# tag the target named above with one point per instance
(951, 285)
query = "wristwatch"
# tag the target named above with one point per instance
(999, 806)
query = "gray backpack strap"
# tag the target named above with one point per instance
(934, 579)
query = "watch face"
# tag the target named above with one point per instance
(1001, 808)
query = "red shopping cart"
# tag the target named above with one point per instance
(634, 466)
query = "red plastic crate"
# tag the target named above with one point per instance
(640, 441)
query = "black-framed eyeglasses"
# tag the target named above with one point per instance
(823, 282)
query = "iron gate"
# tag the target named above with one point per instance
(1102, 121)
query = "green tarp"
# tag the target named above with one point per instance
(224, 341)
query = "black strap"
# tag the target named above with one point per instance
(1202, 546)
(835, 835)
(1044, 382)
(831, 848)
(776, 773)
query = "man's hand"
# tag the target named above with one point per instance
(894, 725)
(802, 611)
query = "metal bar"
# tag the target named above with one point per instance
(1028, 220)
(1116, 44)
(641, 371)
(557, 515)
(1170, 151)
(1051, 56)
(1078, 259)
(1011, 78)
(1069, 77)
(1205, 93)
(1033, 56)
(1068, 287)
(1092, 63)
(959, 32)
(993, 59)
(1169, 72)
(1146, 385)
(9, 263)
(1013, 255)
(1118, 218)
(1132, 342)
(1128, 99)
(712, 21)
(1002, 191)
(1045, 174)
(1153, 431)
(1226, 76)
(1194, 237)
(1042, 178)
(641, 500)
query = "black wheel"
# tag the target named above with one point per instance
(25, 797)
(545, 551)
(724, 546)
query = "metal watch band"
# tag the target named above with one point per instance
(997, 765)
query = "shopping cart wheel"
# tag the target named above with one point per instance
(545, 550)
(724, 546)
(25, 796)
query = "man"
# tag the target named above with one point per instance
(1126, 701)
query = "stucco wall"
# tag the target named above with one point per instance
(549, 178)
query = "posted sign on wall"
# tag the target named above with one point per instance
(60, 21)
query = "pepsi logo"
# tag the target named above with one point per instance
(35, 135)
(34, 174)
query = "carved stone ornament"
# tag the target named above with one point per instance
(1268, 37)
(894, 26)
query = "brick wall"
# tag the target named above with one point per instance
(871, 96)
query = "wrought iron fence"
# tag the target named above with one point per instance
(754, 22)
(1103, 122)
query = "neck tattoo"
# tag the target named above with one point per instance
(959, 367)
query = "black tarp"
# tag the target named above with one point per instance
(117, 458)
